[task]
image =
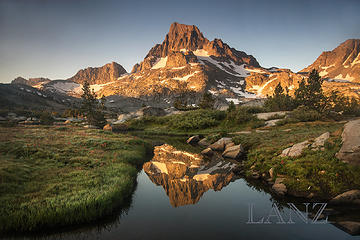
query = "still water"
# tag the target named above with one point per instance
(181, 196)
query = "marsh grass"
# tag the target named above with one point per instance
(56, 178)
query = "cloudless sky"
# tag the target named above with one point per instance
(56, 38)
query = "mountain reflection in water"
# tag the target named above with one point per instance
(184, 176)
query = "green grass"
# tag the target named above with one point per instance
(319, 172)
(56, 178)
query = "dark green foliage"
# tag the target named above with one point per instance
(207, 101)
(198, 119)
(239, 116)
(310, 94)
(92, 108)
(305, 114)
(280, 101)
(46, 118)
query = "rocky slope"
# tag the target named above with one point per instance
(99, 75)
(340, 64)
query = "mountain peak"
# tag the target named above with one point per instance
(341, 63)
(99, 75)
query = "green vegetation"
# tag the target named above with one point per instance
(310, 95)
(314, 171)
(92, 108)
(55, 178)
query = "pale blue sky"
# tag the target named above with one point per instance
(56, 38)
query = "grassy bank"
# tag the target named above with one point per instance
(52, 177)
(318, 172)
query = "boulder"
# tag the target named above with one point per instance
(350, 197)
(193, 140)
(271, 123)
(295, 150)
(220, 144)
(350, 149)
(278, 187)
(207, 152)
(233, 152)
(351, 227)
(268, 115)
(107, 127)
(319, 142)
(204, 142)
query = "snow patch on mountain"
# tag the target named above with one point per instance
(161, 63)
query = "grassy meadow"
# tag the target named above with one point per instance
(58, 176)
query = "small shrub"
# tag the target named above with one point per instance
(305, 114)
(46, 118)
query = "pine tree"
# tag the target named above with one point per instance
(207, 101)
(310, 94)
(91, 107)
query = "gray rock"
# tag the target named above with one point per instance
(193, 140)
(233, 152)
(349, 197)
(204, 142)
(295, 150)
(271, 123)
(220, 144)
(350, 149)
(268, 115)
(207, 152)
(319, 142)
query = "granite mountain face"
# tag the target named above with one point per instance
(186, 64)
(342, 63)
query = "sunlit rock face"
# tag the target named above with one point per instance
(184, 176)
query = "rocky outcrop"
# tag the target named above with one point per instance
(350, 149)
(350, 197)
(99, 75)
